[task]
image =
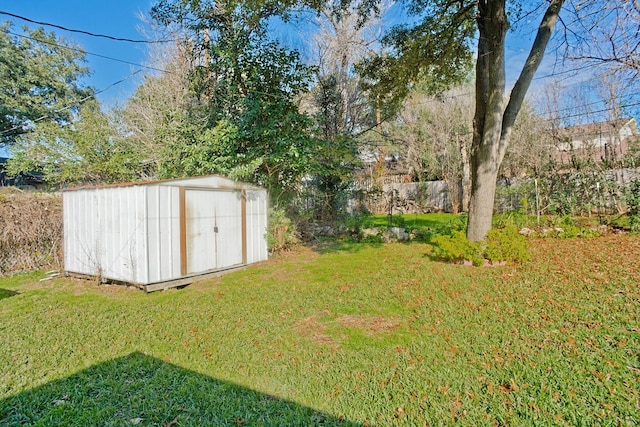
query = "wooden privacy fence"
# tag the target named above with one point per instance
(403, 197)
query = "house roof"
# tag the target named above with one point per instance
(591, 130)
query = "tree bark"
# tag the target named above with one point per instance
(487, 122)
(493, 121)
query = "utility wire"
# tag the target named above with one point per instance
(385, 119)
(75, 49)
(75, 104)
(604, 110)
(105, 36)
(148, 67)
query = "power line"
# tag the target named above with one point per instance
(559, 118)
(75, 49)
(105, 36)
(559, 73)
(603, 110)
(75, 104)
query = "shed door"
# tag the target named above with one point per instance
(213, 227)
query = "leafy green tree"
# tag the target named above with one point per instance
(334, 156)
(154, 117)
(39, 81)
(85, 151)
(338, 104)
(245, 121)
(434, 54)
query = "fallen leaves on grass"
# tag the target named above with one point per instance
(314, 329)
(317, 325)
(371, 325)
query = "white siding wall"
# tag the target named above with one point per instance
(132, 233)
(105, 231)
(163, 219)
(256, 226)
(229, 220)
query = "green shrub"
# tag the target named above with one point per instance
(357, 222)
(456, 247)
(632, 197)
(281, 232)
(506, 244)
(423, 235)
(589, 232)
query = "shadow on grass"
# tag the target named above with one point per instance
(337, 245)
(6, 293)
(141, 390)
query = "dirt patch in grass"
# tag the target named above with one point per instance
(371, 325)
(315, 328)
(299, 253)
(312, 328)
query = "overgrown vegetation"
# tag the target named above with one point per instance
(501, 245)
(633, 205)
(30, 231)
(349, 334)
(281, 231)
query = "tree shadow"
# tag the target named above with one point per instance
(141, 390)
(6, 293)
(327, 246)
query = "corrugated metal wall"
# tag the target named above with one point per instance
(132, 233)
(163, 217)
(105, 233)
(256, 226)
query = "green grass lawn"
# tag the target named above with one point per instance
(351, 334)
(414, 221)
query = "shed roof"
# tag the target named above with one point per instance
(199, 181)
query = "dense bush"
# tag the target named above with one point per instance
(30, 231)
(632, 197)
(456, 247)
(501, 245)
(281, 232)
(506, 244)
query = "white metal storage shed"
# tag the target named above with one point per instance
(161, 234)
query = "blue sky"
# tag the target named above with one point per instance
(117, 18)
(120, 18)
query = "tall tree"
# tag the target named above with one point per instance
(440, 44)
(157, 105)
(246, 86)
(493, 121)
(86, 150)
(337, 102)
(39, 80)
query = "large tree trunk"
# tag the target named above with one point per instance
(493, 121)
(487, 122)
